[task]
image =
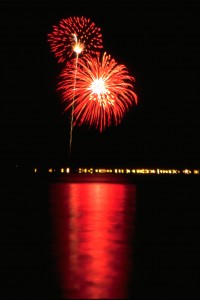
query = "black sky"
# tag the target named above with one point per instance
(159, 42)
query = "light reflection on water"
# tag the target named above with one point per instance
(93, 238)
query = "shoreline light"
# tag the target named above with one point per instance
(124, 171)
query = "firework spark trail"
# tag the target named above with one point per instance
(72, 113)
(104, 90)
(74, 35)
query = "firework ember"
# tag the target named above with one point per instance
(103, 91)
(74, 35)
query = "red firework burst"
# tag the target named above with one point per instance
(74, 34)
(103, 92)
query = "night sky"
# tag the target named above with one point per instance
(159, 42)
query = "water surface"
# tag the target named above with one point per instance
(100, 237)
(93, 228)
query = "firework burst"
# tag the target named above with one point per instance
(74, 34)
(103, 92)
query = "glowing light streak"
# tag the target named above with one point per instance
(72, 112)
(74, 35)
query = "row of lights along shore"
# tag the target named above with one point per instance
(122, 171)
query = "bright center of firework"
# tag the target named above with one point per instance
(98, 86)
(78, 48)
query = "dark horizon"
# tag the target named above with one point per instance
(158, 41)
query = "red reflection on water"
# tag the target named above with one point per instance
(93, 229)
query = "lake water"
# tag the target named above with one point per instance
(93, 228)
(99, 238)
